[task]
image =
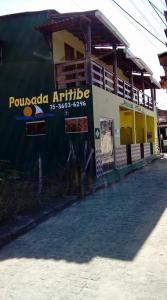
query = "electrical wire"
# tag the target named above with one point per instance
(129, 19)
(156, 22)
(153, 15)
(157, 33)
(144, 17)
(139, 23)
(158, 9)
(138, 29)
(154, 7)
(148, 37)
(162, 2)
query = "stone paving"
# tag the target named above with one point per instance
(110, 246)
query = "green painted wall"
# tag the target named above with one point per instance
(27, 71)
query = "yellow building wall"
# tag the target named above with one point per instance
(63, 36)
(126, 118)
(137, 120)
(150, 129)
(122, 75)
(126, 127)
(106, 105)
(143, 118)
(140, 127)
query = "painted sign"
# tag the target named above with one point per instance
(133, 106)
(44, 105)
(97, 133)
(74, 94)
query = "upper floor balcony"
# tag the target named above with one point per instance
(97, 54)
(74, 73)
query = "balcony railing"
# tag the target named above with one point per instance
(73, 73)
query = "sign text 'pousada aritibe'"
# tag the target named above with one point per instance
(66, 95)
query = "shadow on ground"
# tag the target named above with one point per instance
(112, 223)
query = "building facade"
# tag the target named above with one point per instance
(72, 91)
(163, 59)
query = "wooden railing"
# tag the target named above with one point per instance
(73, 73)
(101, 77)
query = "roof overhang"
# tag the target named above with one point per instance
(138, 62)
(128, 62)
(111, 28)
(102, 30)
(155, 83)
(149, 80)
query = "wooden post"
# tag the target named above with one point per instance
(148, 102)
(104, 80)
(154, 98)
(88, 54)
(115, 75)
(152, 93)
(123, 88)
(142, 78)
(138, 99)
(132, 85)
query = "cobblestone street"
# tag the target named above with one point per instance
(110, 246)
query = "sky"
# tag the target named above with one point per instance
(142, 44)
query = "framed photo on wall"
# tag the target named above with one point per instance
(76, 125)
(107, 143)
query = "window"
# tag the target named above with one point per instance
(36, 128)
(79, 55)
(69, 52)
